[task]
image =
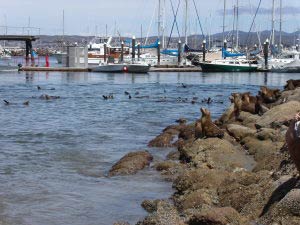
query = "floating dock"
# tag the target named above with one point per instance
(73, 69)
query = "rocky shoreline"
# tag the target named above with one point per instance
(236, 170)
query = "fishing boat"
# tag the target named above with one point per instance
(96, 50)
(136, 67)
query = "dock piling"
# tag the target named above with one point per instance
(158, 53)
(266, 53)
(122, 51)
(133, 48)
(204, 49)
(179, 52)
(105, 52)
(139, 51)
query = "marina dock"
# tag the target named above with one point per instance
(73, 69)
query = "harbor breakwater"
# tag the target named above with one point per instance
(247, 176)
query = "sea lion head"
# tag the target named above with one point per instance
(205, 112)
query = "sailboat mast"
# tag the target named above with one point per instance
(159, 19)
(186, 21)
(280, 25)
(63, 31)
(223, 36)
(273, 23)
(237, 24)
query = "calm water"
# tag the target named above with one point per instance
(54, 155)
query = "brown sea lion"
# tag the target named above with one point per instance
(236, 99)
(292, 85)
(269, 95)
(198, 129)
(209, 129)
(293, 140)
(48, 97)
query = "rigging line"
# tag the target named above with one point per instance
(174, 22)
(253, 21)
(150, 25)
(198, 19)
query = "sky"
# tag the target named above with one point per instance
(138, 17)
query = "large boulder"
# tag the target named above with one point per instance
(131, 163)
(279, 114)
(215, 153)
(202, 178)
(290, 204)
(239, 132)
(292, 95)
(266, 153)
(217, 216)
(164, 214)
(162, 141)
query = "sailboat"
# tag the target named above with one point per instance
(231, 62)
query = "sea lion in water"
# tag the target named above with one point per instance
(6, 102)
(209, 129)
(48, 97)
(293, 140)
(26, 103)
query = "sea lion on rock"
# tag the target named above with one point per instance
(269, 95)
(237, 102)
(293, 140)
(209, 129)
(292, 85)
(198, 129)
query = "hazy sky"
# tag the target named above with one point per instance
(126, 16)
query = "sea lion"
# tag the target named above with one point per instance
(26, 103)
(198, 129)
(209, 129)
(269, 95)
(39, 88)
(236, 99)
(48, 97)
(183, 85)
(292, 85)
(181, 121)
(293, 140)
(6, 102)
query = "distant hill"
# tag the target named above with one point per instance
(195, 41)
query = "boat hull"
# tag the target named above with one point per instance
(122, 68)
(209, 67)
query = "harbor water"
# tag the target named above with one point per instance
(55, 154)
